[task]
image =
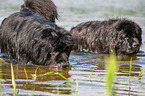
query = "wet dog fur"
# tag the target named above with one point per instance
(42, 8)
(30, 36)
(124, 36)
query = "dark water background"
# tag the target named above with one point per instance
(73, 12)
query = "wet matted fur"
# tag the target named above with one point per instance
(98, 36)
(42, 8)
(30, 38)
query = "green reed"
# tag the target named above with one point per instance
(76, 89)
(34, 77)
(26, 78)
(1, 60)
(96, 75)
(26, 74)
(57, 90)
(129, 79)
(111, 68)
(140, 74)
(13, 79)
(130, 68)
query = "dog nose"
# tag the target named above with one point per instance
(65, 65)
(135, 45)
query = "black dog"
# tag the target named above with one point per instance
(42, 8)
(122, 35)
(28, 37)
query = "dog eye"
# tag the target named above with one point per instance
(128, 35)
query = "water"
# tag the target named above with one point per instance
(71, 13)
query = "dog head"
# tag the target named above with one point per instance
(61, 43)
(128, 37)
(43, 8)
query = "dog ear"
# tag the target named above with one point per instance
(3, 22)
(44, 8)
(66, 41)
(24, 9)
(127, 27)
(49, 33)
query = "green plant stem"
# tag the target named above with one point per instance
(34, 77)
(26, 74)
(13, 80)
(96, 75)
(130, 68)
(140, 74)
(111, 68)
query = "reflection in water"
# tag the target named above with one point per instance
(97, 66)
(82, 67)
(45, 84)
(122, 61)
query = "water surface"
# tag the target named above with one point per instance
(71, 13)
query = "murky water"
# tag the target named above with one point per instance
(73, 12)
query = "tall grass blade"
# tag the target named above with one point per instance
(26, 78)
(57, 90)
(130, 68)
(129, 79)
(62, 76)
(96, 75)
(34, 77)
(50, 73)
(140, 74)
(13, 80)
(26, 74)
(111, 68)
(68, 81)
(76, 89)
